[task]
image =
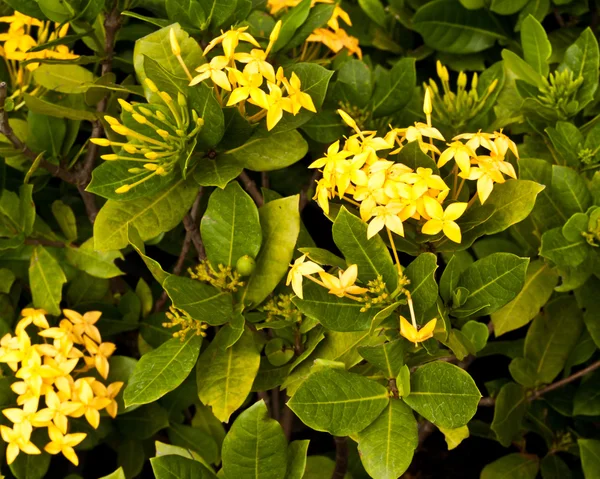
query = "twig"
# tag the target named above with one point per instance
(490, 401)
(341, 457)
(304, 197)
(287, 420)
(264, 179)
(275, 401)
(251, 188)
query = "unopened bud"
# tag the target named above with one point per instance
(141, 119)
(125, 105)
(100, 141)
(123, 189)
(151, 85)
(110, 157)
(462, 80)
(175, 48)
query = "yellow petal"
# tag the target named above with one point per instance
(432, 227)
(454, 211)
(375, 226)
(452, 231)
(426, 331)
(407, 330)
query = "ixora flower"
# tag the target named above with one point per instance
(159, 136)
(47, 371)
(415, 335)
(343, 285)
(298, 271)
(256, 85)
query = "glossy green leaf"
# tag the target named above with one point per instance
(150, 215)
(389, 357)
(443, 394)
(63, 78)
(386, 447)
(224, 376)
(100, 264)
(46, 279)
(454, 436)
(583, 59)
(230, 226)
(178, 467)
(561, 251)
(144, 422)
(28, 466)
(218, 172)
(370, 255)
(255, 446)
(338, 402)
(510, 408)
(291, 21)
(296, 459)
(64, 216)
(280, 223)
(521, 69)
(536, 46)
(118, 474)
(354, 82)
(507, 7)
(492, 282)
(513, 466)
(449, 27)
(572, 190)
(587, 398)
(196, 440)
(423, 286)
(393, 89)
(540, 281)
(162, 370)
(590, 457)
(553, 467)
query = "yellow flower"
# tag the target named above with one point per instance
(214, 71)
(416, 336)
(89, 404)
(33, 372)
(298, 270)
(35, 316)
(487, 172)
(331, 157)
(336, 40)
(443, 220)
(344, 284)
(338, 12)
(461, 153)
(29, 414)
(249, 87)
(323, 194)
(277, 104)
(60, 442)
(99, 355)
(110, 392)
(475, 140)
(59, 410)
(424, 179)
(502, 143)
(230, 40)
(84, 324)
(386, 215)
(18, 439)
(298, 98)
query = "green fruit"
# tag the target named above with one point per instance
(245, 265)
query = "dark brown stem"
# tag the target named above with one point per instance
(264, 179)
(251, 188)
(304, 196)
(287, 421)
(275, 401)
(341, 457)
(490, 401)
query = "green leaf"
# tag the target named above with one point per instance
(338, 402)
(476, 334)
(583, 59)
(291, 21)
(194, 439)
(553, 467)
(536, 46)
(28, 466)
(270, 151)
(370, 255)
(144, 422)
(394, 89)
(118, 474)
(551, 337)
(224, 376)
(202, 99)
(521, 69)
(280, 223)
(7, 278)
(492, 282)
(100, 264)
(507, 7)
(296, 459)
(449, 27)
(540, 281)
(561, 251)
(423, 286)
(46, 279)
(354, 82)
(255, 446)
(587, 401)
(589, 449)
(374, 10)
(64, 216)
(513, 466)
(187, 12)
(178, 467)
(386, 447)
(318, 16)
(455, 436)
(43, 107)
(572, 190)
(336, 314)
(162, 370)
(443, 394)
(389, 357)
(450, 277)
(314, 78)
(230, 226)
(567, 140)
(326, 127)
(150, 215)
(218, 172)
(63, 78)
(510, 408)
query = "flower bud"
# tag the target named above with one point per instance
(100, 141)
(245, 265)
(175, 48)
(123, 189)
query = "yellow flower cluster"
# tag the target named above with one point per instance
(164, 134)
(21, 37)
(240, 87)
(48, 369)
(389, 193)
(334, 37)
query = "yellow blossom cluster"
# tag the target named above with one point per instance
(21, 38)
(389, 193)
(245, 86)
(333, 37)
(49, 369)
(158, 136)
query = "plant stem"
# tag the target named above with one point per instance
(251, 188)
(341, 457)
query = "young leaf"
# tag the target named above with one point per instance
(444, 394)
(255, 446)
(224, 376)
(386, 447)
(536, 46)
(100, 264)
(338, 402)
(296, 459)
(230, 226)
(162, 370)
(583, 59)
(46, 279)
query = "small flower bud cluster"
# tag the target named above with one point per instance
(282, 307)
(559, 92)
(181, 319)
(377, 294)
(223, 277)
(48, 370)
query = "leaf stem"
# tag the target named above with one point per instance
(251, 188)
(341, 457)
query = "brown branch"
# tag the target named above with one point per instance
(490, 401)
(264, 179)
(304, 197)
(341, 457)
(287, 421)
(251, 188)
